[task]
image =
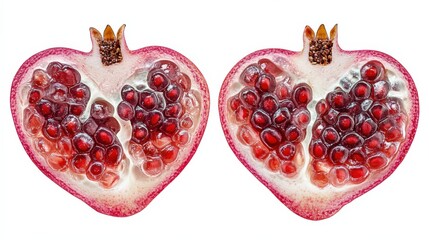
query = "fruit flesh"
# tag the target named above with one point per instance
(316, 194)
(120, 186)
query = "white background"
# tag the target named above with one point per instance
(215, 197)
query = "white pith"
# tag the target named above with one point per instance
(301, 194)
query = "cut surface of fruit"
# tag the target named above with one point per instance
(107, 125)
(319, 127)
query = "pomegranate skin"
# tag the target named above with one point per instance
(298, 193)
(133, 193)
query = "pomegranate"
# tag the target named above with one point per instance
(319, 127)
(113, 126)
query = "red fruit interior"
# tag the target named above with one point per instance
(108, 128)
(319, 127)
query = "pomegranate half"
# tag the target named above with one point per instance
(113, 126)
(319, 127)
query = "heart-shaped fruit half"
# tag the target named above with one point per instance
(113, 126)
(319, 127)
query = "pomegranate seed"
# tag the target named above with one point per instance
(173, 93)
(345, 122)
(260, 119)
(130, 95)
(330, 136)
(139, 114)
(110, 123)
(57, 92)
(374, 143)
(154, 119)
(98, 153)
(169, 68)
(113, 155)
(82, 142)
(125, 110)
(80, 93)
(52, 129)
(246, 135)
(301, 117)
(76, 109)
(393, 134)
(269, 67)
(153, 167)
(173, 110)
(338, 176)
(317, 149)
(373, 71)
(338, 99)
(249, 97)
(322, 165)
(273, 164)
(287, 103)
(103, 136)
(361, 90)
(394, 105)
(281, 116)
(380, 90)
(358, 173)
(289, 169)
(322, 107)
(181, 138)
(79, 163)
(63, 73)
(269, 103)
(339, 154)
(101, 109)
(271, 137)
(378, 111)
(242, 114)
(169, 154)
(320, 179)
(366, 127)
(265, 83)
(302, 94)
(330, 116)
(61, 110)
(352, 140)
(377, 161)
(139, 133)
(148, 100)
(45, 108)
(90, 126)
(40, 79)
(286, 151)
(95, 170)
(356, 157)
(293, 134)
(184, 82)
(259, 151)
(43, 145)
(33, 122)
(109, 179)
(158, 81)
(170, 126)
(71, 125)
(34, 95)
(64, 146)
(318, 126)
(57, 162)
(186, 122)
(234, 102)
(283, 91)
(250, 75)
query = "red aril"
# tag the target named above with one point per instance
(107, 125)
(319, 127)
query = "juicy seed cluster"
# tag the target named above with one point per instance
(53, 118)
(272, 116)
(162, 116)
(356, 132)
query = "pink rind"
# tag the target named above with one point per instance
(141, 203)
(311, 213)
